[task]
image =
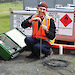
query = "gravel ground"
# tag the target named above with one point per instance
(24, 66)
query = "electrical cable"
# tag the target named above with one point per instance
(56, 63)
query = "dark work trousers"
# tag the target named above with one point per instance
(34, 45)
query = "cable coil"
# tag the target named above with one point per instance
(55, 63)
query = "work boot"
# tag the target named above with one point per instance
(33, 56)
(30, 56)
(51, 53)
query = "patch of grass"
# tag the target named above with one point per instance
(4, 23)
(72, 62)
(15, 6)
(5, 15)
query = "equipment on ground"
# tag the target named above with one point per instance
(11, 43)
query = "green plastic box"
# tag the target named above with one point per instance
(11, 43)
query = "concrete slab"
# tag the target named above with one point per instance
(24, 66)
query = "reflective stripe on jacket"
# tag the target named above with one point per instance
(38, 32)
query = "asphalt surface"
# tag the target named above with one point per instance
(24, 66)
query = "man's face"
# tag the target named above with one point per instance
(42, 11)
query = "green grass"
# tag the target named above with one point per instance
(5, 15)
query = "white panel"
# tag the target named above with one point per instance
(17, 37)
(18, 19)
(67, 32)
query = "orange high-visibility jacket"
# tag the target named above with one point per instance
(38, 32)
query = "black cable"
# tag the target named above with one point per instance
(55, 63)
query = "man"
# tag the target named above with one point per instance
(43, 32)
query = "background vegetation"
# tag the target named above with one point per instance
(5, 14)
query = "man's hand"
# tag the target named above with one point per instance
(35, 19)
(44, 27)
